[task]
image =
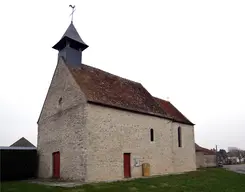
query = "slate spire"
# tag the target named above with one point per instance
(72, 37)
(70, 46)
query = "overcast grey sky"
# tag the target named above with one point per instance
(190, 51)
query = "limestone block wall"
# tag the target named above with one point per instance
(113, 132)
(63, 92)
(184, 156)
(61, 127)
(61, 133)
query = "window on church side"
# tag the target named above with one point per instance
(179, 137)
(152, 134)
(60, 101)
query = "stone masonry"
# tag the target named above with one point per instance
(200, 159)
(184, 157)
(91, 138)
(113, 132)
(61, 127)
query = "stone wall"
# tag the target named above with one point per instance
(113, 132)
(210, 160)
(200, 159)
(92, 139)
(61, 127)
(184, 156)
(203, 160)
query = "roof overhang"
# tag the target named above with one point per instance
(72, 43)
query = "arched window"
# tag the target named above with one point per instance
(60, 100)
(59, 104)
(152, 134)
(179, 137)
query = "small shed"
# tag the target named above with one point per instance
(205, 157)
(18, 162)
(22, 142)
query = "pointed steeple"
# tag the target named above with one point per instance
(71, 45)
(72, 37)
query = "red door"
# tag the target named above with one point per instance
(56, 164)
(126, 162)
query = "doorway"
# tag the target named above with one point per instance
(126, 162)
(56, 164)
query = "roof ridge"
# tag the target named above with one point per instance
(96, 68)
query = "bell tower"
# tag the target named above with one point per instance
(71, 45)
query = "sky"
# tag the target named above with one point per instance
(191, 52)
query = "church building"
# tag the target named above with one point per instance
(96, 126)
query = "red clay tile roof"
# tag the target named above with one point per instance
(204, 150)
(107, 89)
(173, 112)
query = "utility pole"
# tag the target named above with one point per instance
(216, 149)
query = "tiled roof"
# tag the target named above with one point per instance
(206, 151)
(103, 88)
(173, 112)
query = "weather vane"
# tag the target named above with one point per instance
(73, 10)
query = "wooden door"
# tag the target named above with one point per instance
(126, 162)
(56, 164)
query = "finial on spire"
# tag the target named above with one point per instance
(73, 10)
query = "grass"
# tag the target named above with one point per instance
(212, 179)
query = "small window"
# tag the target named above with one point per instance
(60, 101)
(152, 134)
(179, 137)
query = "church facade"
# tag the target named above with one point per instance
(96, 126)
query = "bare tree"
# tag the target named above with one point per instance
(222, 156)
(236, 152)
